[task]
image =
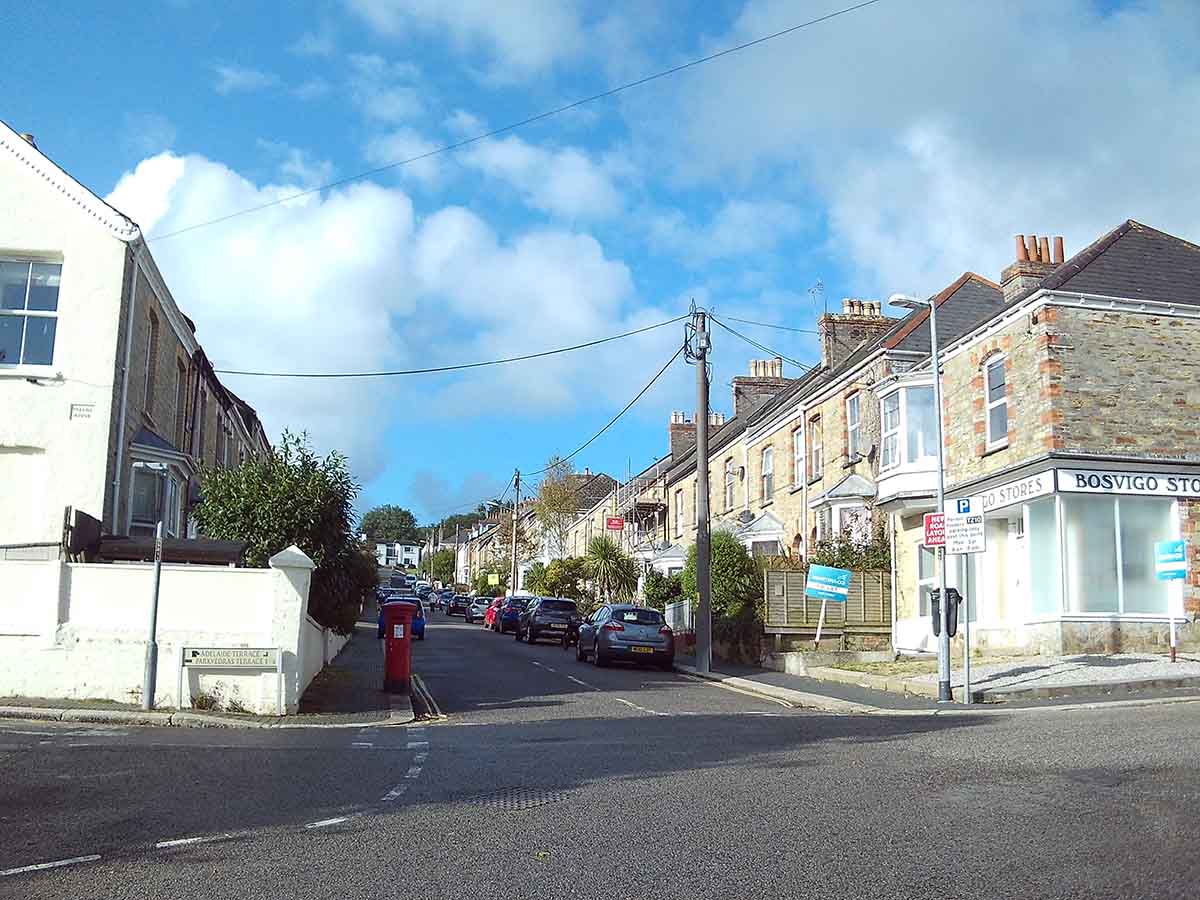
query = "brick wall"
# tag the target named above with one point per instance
(1189, 511)
(1130, 384)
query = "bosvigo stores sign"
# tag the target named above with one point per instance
(1150, 484)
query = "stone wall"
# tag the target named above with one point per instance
(1189, 511)
(1130, 384)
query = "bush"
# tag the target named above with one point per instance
(660, 589)
(843, 552)
(736, 579)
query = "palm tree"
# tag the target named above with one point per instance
(614, 572)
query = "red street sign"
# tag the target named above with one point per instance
(935, 530)
(615, 523)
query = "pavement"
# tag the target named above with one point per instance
(551, 778)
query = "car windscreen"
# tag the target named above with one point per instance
(518, 602)
(565, 606)
(638, 616)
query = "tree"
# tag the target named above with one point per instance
(535, 579)
(843, 551)
(390, 524)
(557, 505)
(482, 583)
(566, 578)
(736, 579)
(613, 571)
(439, 566)
(660, 589)
(291, 497)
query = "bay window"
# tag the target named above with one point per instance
(28, 312)
(908, 426)
(154, 497)
(890, 427)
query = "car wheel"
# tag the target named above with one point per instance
(598, 659)
(580, 653)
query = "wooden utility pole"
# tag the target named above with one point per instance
(703, 548)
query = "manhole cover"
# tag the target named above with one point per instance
(513, 799)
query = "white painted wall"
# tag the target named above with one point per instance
(47, 459)
(79, 631)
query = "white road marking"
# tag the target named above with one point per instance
(421, 757)
(394, 793)
(550, 668)
(36, 733)
(640, 708)
(413, 772)
(49, 865)
(584, 683)
(203, 839)
(325, 823)
(361, 744)
(416, 745)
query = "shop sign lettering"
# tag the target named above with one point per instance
(1154, 484)
(1018, 491)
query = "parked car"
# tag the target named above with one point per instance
(545, 617)
(477, 607)
(457, 605)
(621, 631)
(508, 616)
(493, 610)
(418, 622)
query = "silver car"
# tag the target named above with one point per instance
(621, 631)
(477, 608)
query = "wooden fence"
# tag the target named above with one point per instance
(868, 607)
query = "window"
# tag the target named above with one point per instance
(854, 426)
(798, 457)
(201, 417)
(926, 579)
(180, 402)
(890, 427)
(679, 512)
(768, 474)
(854, 522)
(151, 359)
(154, 496)
(997, 403)
(729, 483)
(28, 312)
(921, 424)
(815, 450)
(220, 457)
(822, 528)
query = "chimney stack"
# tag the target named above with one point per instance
(841, 334)
(1033, 263)
(681, 435)
(764, 382)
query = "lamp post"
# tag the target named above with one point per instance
(905, 302)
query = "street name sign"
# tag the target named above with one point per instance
(827, 583)
(232, 657)
(1170, 560)
(615, 523)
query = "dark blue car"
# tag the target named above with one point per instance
(509, 616)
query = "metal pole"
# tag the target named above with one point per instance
(149, 676)
(703, 549)
(457, 547)
(944, 693)
(516, 510)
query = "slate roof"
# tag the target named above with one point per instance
(148, 438)
(969, 299)
(590, 489)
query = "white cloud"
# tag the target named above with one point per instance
(402, 144)
(520, 37)
(148, 133)
(931, 147)
(296, 165)
(739, 228)
(464, 124)
(233, 78)
(312, 89)
(436, 497)
(564, 182)
(385, 91)
(352, 280)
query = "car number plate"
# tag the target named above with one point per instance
(558, 627)
(643, 649)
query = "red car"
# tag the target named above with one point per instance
(489, 617)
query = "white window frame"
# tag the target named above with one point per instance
(927, 584)
(891, 436)
(798, 456)
(816, 449)
(767, 468)
(729, 484)
(171, 509)
(26, 313)
(678, 512)
(993, 441)
(854, 426)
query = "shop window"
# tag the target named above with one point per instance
(1143, 521)
(996, 402)
(1045, 575)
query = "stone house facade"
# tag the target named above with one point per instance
(99, 369)
(1071, 415)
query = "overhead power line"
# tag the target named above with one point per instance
(773, 325)
(513, 126)
(613, 420)
(763, 347)
(453, 368)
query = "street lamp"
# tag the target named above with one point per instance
(906, 302)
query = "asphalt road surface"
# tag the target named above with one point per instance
(551, 778)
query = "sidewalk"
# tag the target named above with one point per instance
(346, 693)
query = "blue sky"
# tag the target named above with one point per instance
(887, 150)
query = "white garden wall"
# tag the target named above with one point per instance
(79, 631)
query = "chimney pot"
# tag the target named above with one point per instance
(1058, 249)
(847, 305)
(1022, 256)
(778, 373)
(1044, 249)
(587, 471)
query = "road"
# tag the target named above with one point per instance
(552, 778)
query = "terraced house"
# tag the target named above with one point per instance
(108, 403)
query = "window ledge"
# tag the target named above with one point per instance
(40, 373)
(814, 479)
(990, 450)
(767, 502)
(795, 487)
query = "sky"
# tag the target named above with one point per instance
(886, 150)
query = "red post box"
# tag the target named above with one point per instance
(397, 636)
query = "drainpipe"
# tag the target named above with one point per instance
(892, 528)
(137, 266)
